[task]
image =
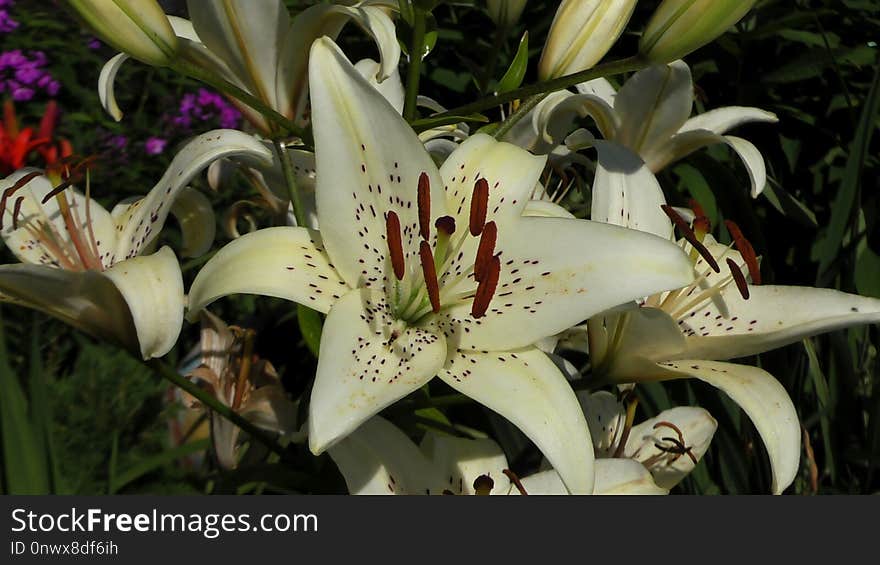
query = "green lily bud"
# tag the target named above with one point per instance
(139, 28)
(582, 33)
(505, 13)
(679, 27)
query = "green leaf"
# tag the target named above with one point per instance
(826, 407)
(695, 183)
(867, 269)
(842, 207)
(515, 74)
(428, 123)
(310, 325)
(24, 466)
(158, 461)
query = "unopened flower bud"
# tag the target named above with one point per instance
(139, 28)
(505, 13)
(679, 27)
(582, 33)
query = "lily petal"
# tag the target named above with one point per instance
(391, 88)
(775, 316)
(378, 458)
(545, 483)
(144, 220)
(766, 403)
(246, 37)
(606, 418)
(722, 120)
(529, 390)
(697, 427)
(460, 461)
(365, 365)
(625, 477)
(153, 289)
(626, 193)
(195, 214)
(87, 300)
(640, 336)
(283, 262)
(368, 164)
(107, 83)
(685, 143)
(656, 102)
(545, 288)
(328, 20)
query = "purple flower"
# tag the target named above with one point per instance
(94, 43)
(205, 106)
(117, 141)
(23, 75)
(155, 145)
(22, 94)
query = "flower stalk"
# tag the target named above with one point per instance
(415, 63)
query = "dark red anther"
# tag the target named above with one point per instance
(701, 220)
(424, 205)
(57, 190)
(16, 210)
(746, 250)
(13, 189)
(486, 289)
(395, 245)
(479, 206)
(445, 225)
(689, 235)
(739, 278)
(430, 272)
(485, 250)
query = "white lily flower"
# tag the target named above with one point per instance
(425, 272)
(378, 458)
(87, 266)
(258, 47)
(688, 332)
(650, 117)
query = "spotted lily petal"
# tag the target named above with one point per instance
(365, 365)
(656, 103)
(355, 124)
(697, 427)
(153, 289)
(626, 193)
(283, 262)
(545, 288)
(766, 403)
(461, 461)
(144, 220)
(378, 458)
(774, 316)
(526, 388)
(606, 418)
(625, 476)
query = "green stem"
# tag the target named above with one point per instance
(184, 67)
(290, 180)
(527, 106)
(454, 115)
(212, 403)
(415, 64)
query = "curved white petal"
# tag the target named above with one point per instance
(722, 120)
(87, 300)
(766, 403)
(526, 388)
(606, 417)
(461, 461)
(144, 220)
(195, 214)
(107, 85)
(625, 477)
(626, 193)
(510, 171)
(391, 88)
(546, 209)
(328, 20)
(247, 36)
(653, 105)
(378, 458)
(697, 427)
(153, 288)
(368, 164)
(558, 272)
(638, 337)
(774, 316)
(600, 87)
(545, 483)
(284, 262)
(366, 362)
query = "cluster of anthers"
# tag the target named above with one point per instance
(687, 302)
(76, 250)
(433, 287)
